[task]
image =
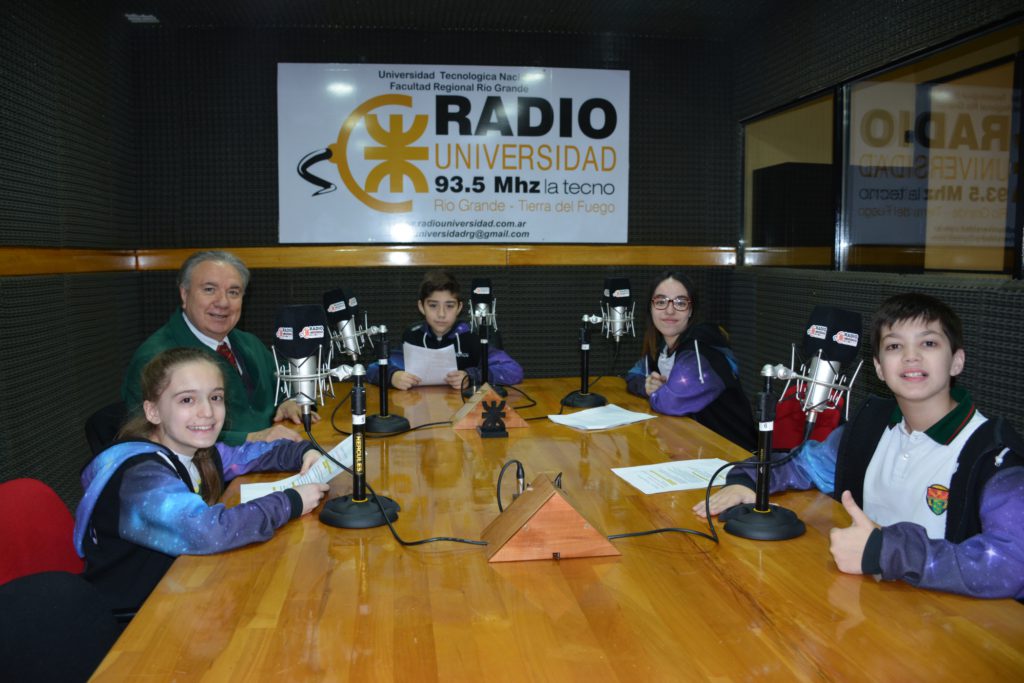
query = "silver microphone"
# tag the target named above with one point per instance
(831, 340)
(617, 309)
(342, 310)
(820, 392)
(483, 305)
(302, 356)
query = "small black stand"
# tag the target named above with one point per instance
(359, 510)
(485, 352)
(385, 423)
(493, 426)
(583, 398)
(761, 521)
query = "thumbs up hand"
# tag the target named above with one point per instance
(847, 545)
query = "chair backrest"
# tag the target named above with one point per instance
(35, 531)
(790, 423)
(54, 626)
(102, 426)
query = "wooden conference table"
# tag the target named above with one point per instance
(317, 603)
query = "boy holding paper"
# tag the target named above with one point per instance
(440, 305)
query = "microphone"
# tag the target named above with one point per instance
(343, 315)
(482, 305)
(616, 320)
(362, 509)
(481, 321)
(617, 308)
(761, 520)
(832, 340)
(303, 363)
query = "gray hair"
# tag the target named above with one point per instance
(185, 273)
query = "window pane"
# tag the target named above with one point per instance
(789, 198)
(929, 182)
(787, 178)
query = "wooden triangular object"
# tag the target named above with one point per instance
(470, 415)
(542, 524)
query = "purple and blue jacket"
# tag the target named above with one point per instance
(139, 512)
(703, 384)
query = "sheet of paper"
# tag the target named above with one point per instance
(430, 365)
(674, 475)
(604, 417)
(322, 471)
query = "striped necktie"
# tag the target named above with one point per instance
(225, 350)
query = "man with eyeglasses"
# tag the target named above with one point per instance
(212, 285)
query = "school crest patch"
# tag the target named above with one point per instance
(938, 498)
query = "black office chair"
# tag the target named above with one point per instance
(54, 626)
(102, 426)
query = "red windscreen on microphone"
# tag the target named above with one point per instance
(833, 331)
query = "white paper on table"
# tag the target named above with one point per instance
(674, 475)
(604, 417)
(322, 471)
(430, 365)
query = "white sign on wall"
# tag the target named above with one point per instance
(421, 153)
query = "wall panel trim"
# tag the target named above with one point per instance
(44, 261)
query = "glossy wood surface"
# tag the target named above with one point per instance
(322, 604)
(46, 261)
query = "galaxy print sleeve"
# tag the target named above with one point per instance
(691, 386)
(158, 511)
(987, 565)
(813, 466)
(636, 379)
(261, 456)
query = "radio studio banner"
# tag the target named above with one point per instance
(421, 153)
(930, 167)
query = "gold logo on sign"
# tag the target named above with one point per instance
(395, 152)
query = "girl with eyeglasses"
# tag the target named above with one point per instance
(687, 367)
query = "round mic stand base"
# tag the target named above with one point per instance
(578, 399)
(777, 524)
(346, 513)
(386, 424)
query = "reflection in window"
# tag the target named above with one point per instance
(930, 175)
(931, 172)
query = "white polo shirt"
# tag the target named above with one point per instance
(908, 477)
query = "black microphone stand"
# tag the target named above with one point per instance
(485, 350)
(383, 423)
(761, 521)
(583, 398)
(359, 510)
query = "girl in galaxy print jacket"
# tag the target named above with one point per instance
(935, 490)
(153, 495)
(689, 369)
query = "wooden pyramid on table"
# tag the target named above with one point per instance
(542, 524)
(470, 415)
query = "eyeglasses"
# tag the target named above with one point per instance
(680, 303)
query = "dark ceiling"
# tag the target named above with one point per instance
(666, 18)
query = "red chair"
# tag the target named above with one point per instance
(35, 531)
(790, 423)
